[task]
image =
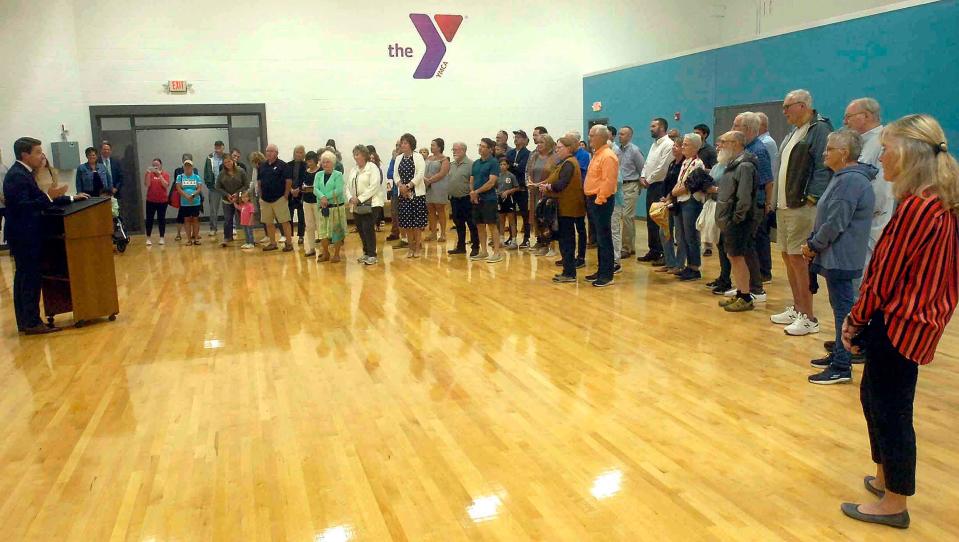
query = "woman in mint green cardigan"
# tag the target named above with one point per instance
(330, 208)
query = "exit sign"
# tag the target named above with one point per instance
(177, 87)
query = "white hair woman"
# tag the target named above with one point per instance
(363, 193)
(836, 249)
(906, 299)
(690, 205)
(330, 211)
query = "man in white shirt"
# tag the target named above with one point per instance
(654, 171)
(801, 180)
(863, 115)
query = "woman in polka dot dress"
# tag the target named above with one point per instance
(412, 201)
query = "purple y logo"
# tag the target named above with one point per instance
(435, 47)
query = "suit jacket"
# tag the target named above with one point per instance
(25, 203)
(116, 172)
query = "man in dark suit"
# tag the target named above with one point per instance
(25, 202)
(114, 168)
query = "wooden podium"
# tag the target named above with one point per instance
(77, 273)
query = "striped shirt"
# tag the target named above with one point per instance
(913, 277)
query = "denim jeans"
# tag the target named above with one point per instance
(248, 232)
(215, 201)
(581, 236)
(602, 216)
(229, 217)
(763, 250)
(674, 254)
(841, 296)
(688, 234)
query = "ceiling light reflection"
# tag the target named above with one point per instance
(607, 484)
(484, 508)
(212, 343)
(339, 533)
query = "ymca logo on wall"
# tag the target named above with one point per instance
(432, 62)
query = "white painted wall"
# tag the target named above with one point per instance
(322, 67)
(747, 19)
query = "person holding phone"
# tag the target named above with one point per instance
(157, 183)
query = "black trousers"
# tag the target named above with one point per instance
(581, 237)
(567, 243)
(522, 209)
(26, 284)
(366, 226)
(602, 216)
(463, 218)
(296, 206)
(157, 210)
(887, 392)
(654, 193)
(763, 249)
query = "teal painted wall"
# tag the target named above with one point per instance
(907, 59)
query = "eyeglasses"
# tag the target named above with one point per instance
(851, 115)
(787, 106)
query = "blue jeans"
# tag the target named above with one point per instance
(687, 234)
(841, 295)
(674, 253)
(248, 232)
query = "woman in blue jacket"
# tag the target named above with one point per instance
(837, 246)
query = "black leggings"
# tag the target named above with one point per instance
(887, 391)
(160, 210)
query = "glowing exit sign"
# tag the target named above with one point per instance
(177, 87)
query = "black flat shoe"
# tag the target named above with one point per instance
(899, 521)
(867, 481)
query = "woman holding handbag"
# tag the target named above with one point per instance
(363, 192)
(330, 210)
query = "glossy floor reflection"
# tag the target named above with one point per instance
(251, 396)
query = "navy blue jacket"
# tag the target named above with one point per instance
(116, 172)
(25, 202)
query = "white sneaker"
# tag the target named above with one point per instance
(162, 242)
(732, 292)
(149, 243)
(802, 326)
(282, 238)
(550, 253)
(759, 298)
(495, 257)
(786, 317)
(247, 246)
(265, 241)
(211, 233)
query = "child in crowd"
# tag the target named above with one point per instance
(506, 186)
(246, 208)
(188, 186)
(114, 202)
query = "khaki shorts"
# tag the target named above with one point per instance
(278, 210)
(793, 227)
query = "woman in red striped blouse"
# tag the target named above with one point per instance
(907, 298)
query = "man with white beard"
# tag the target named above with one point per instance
(737, 215)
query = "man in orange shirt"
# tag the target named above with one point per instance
(600, 189)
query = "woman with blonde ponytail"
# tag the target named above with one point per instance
(908, 296)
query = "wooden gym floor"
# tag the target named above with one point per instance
(260, 396)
